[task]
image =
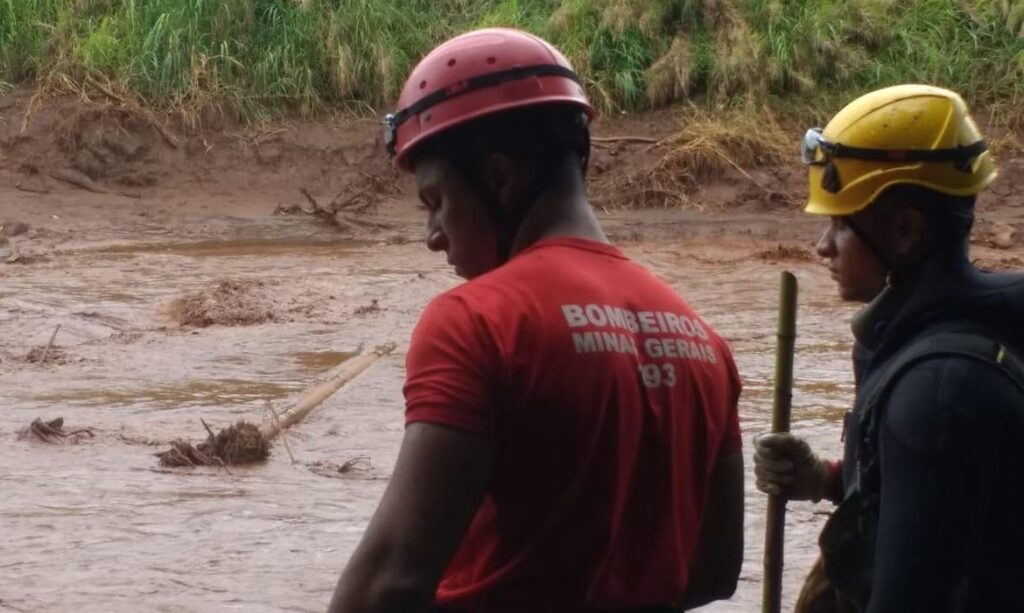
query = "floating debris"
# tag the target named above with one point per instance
(368, 309)
(242, 443)
(53, 432)
(358, 467)
(43, 355)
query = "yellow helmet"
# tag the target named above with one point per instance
(914, 134)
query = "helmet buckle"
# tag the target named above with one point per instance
(830, 178)
(390, 130)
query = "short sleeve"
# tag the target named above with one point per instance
(732, 438)
(452, 369)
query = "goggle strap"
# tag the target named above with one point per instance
(955, 154)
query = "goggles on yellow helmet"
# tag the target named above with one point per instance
(816, 150)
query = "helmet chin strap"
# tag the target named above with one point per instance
(507, 220)
(892, 271)
(873, 247)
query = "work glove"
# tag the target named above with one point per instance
(784, 464)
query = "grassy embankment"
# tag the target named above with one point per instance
(740, 59)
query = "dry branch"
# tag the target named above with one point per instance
(625, 139)
(49, 346)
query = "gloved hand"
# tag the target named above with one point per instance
(784, 464)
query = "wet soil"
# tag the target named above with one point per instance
(279, 300)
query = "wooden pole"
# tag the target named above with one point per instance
(311, 399)
(775, 522)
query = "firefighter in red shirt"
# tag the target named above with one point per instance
(572, 441)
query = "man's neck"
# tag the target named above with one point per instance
(560, 213)
(921, 284)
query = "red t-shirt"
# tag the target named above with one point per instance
(609, 400)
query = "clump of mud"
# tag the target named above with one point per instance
(242, 443)
(53, 432)
(114, 143)
(226, 303)
(786, 253)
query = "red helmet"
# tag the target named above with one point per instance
(476, 74)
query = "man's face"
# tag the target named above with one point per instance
(855, 269)
(457, 222)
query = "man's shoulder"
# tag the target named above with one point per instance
(543, 282)
(558, 265)
(944, 375)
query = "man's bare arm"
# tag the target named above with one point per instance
(438, 483)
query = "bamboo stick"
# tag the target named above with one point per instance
(775, 521)
(49, 346)
(315, 396)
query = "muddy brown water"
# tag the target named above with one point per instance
(99, 527)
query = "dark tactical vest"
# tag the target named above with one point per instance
(847, 541)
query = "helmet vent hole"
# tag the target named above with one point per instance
(492, 60)
(423, 84)
(451, 62)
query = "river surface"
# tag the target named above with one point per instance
(99, 526)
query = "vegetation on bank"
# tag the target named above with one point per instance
(265, 58)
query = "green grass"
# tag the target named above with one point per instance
(262, 59)
(829, 50)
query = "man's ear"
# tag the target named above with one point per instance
(501, 176)
(909, 231)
